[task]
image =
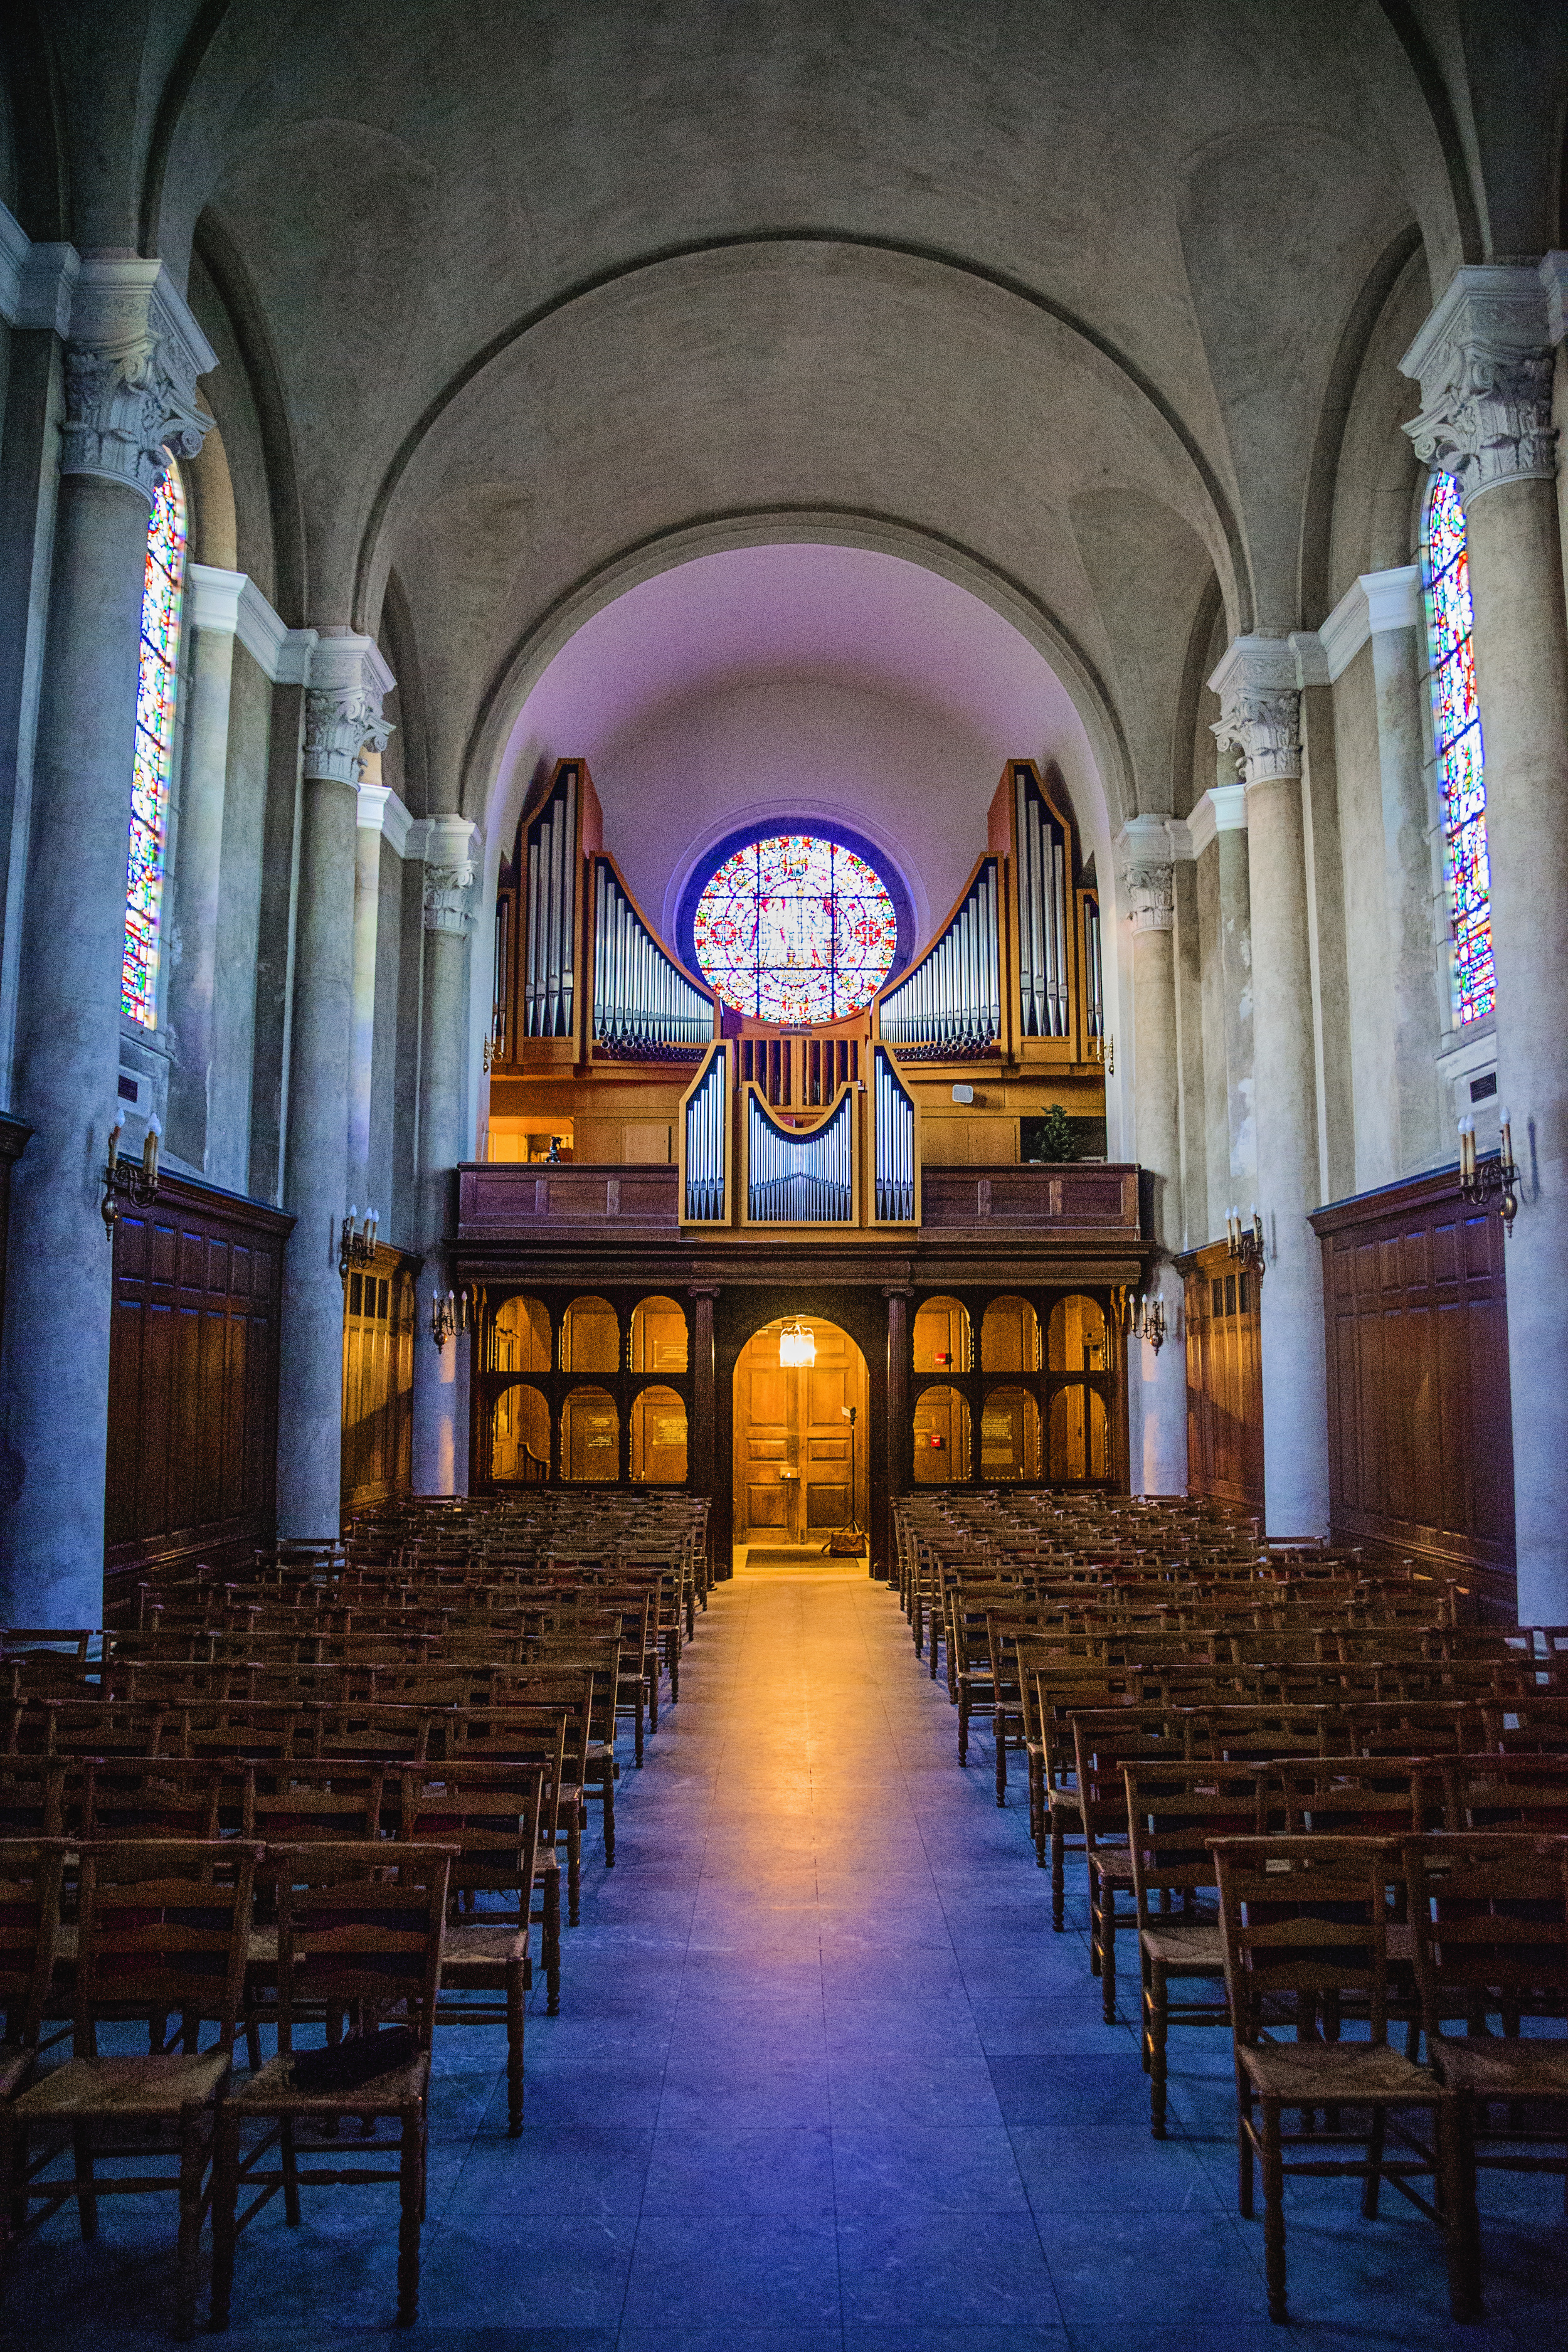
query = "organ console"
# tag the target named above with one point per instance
(601, 1038)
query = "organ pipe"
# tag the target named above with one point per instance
(1094, 975)
(800, 1179)
(1045, 990)
(548, 979)
(645, 1008)
(949, 1008)
(893, 1164)
(705, 1112)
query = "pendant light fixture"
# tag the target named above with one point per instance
(796, 1344)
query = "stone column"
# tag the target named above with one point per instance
(131, 369)
(342, 714)
(213, 605)
(440, 1382)
(1219, 824)
(1159, 1402)
(901, 1437)
(1398, 675)
(370, 815)
(1260, 707)
(1484, 371)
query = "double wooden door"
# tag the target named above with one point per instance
(795, 1453)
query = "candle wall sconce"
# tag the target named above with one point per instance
(1482, 1181)
(129, 1180)
(450, 1313)
(356, 1243)
(1246, 1242)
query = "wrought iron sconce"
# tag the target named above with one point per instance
(1246, 1242)
(1142, 1313)
(448, 1314)
(1482, 1181)
(797, 1345)
(356, 1243)
(137, 1181)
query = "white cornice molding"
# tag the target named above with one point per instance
(443, 840)
(1376, 603)
(36, 281)
(1311, 657)
(1223, 809)
(1555, 278)
(231, 605)
(381, 811)
(215, 599)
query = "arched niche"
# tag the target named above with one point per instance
(519, 1435)
(590, 1337)
(658, 1337)
(1009, 1436)
(658, 1438)
(521, 1340)
(1080, 1435)
(942, 1437)
(1076, 1340)
(590, 1438)
(1010, 1337)
(941, 1336)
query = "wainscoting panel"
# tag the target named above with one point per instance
(193, 1391)
(1420, 1442)
(1225, 1379)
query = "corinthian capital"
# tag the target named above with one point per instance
(130, 370)
(1260, 708)
(449, 847)
(342, 706)
(1152, 897)
(1485, 371)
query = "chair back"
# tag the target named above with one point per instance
(32, 1871)
(310, 1804)
(1352, 1796)
(359, 1924)
(1497, 1792)
(490, 1812)
(1488, 1914)
(1305, 1918)
(33, 1796)
(1174, 1813)
(164, 1925)
(127, 1797)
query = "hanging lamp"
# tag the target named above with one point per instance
(796, 1344)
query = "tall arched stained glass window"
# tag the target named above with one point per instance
(162, 595)
(1456, 728)
(795, 927)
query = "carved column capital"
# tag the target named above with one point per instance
(448, 843)
(342, 706)
(130, 370)
(1261, 709)
(1484, 366)
(1152, 897)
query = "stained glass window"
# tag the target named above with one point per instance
(1456, 730)
(162, 596)
(795, 927)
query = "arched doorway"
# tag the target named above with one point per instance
(802, 1467)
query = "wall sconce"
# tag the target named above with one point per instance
(495, 1041)
(1481, 1180)
(137, 1181)
(1137, 1312)
(448, 1314)
(356, 1243)
(796, 1344)
(1246, 1242)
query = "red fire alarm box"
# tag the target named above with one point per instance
(935, 1443)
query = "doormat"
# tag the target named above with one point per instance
(759, 1556)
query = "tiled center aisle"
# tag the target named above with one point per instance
(824, 2081)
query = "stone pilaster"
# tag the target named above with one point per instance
(440, 1375)
(1484, 364)
(131, 369)
(342, 716)
(1261, 719)
(1158, 1402)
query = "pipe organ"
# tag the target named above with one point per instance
(705, 1144)
(1045, 934)
(895, 1175)
(607, 1049)
(800, 1179)
(553, 870)
(949, 1008)
(645, 1008)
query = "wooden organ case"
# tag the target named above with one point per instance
(649, 1148)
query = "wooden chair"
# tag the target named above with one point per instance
(1305, 1921)
(292, 1805)
(1488, 1914)
(1501, 1792)
(1173, 1815)
(356, 1934)
(1105, 1743)
(490, 1812)
(31, 1874)
(163, 1929)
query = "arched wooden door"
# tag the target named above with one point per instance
(796, 1452)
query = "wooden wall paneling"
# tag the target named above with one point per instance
(191, 1474)
(1225, 1379)
(1420, 1443)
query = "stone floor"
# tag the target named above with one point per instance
(824, 2081)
